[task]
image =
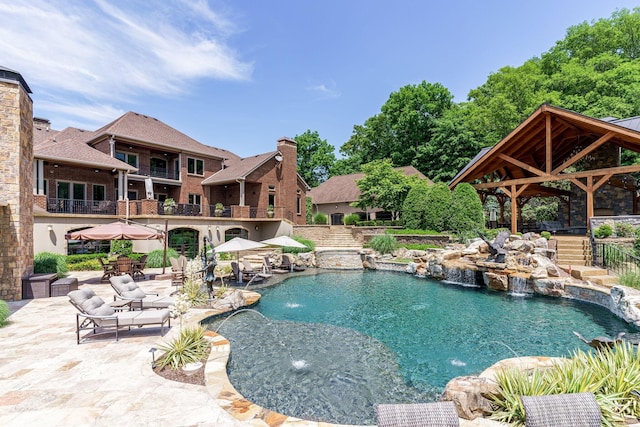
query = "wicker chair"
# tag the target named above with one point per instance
(562, 410)
(435, 414)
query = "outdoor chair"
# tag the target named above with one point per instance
(268, 267)
(139, 266)
(288, 265)
(124, 265)
(247, 267)
(127, 289)
(108, 270)
(96, 315)
(177, 273)
(241, 276)
(562, 410)
(434, 414)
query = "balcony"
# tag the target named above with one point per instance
(87, 207)
(156, 172)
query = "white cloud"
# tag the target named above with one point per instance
(325, 91)
(108, 52)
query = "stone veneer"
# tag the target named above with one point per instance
(16, 181)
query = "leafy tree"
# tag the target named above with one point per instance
(382, 186)
(315, 158)
(405, 122)
(414, 205)
(466, 209)
(437, 207)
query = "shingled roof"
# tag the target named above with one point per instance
(343, 188)
(239, 169)
(69, 146)
(149, 130)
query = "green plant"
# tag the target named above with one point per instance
(414, 205)
(221, 290)
(219, 206)
(270, 208)
(320, 218)
(611, 374)
(467, 214)
(4, 312)
(630, 279)
(155, 258)
(121, 247)
(603, 231)
(310, 245)
(193, 292)
(89, 265)
(419, 246)
(47, 262)
(437, 208)
(546, 235)
(351, 219)
(384, 243)
(169, 203)
(408, 231)
(190, 346)
(624, 230)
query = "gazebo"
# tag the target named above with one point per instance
(554, 144)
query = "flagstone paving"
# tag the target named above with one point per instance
(47, 379)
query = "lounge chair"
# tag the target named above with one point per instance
(240, 276)
(434, 414)
(247, 268)
(177, 273)
(288, 265)
(99, 316)
(268, 267)
(562, 410)
(127, 289)
(139, 266)
(108, 269)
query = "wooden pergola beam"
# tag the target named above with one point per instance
(581, 154)
(548, 147)
(521, 165)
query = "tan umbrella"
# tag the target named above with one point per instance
(284, 241)
(115, 231)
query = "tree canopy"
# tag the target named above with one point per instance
(315, 157)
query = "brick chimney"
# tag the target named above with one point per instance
(16, 181)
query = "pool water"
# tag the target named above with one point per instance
(333, 345)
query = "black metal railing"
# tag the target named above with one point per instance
(615, 258)
(102, 207)
(183, 209)
(226, 211)
(156, 172)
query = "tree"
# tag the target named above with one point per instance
(437, 208)
(467, 214)
(405, 122)
(382, 186)
(414, 204)
(315, 158)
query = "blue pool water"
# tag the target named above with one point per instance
(333, 345)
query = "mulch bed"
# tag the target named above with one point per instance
(178, 375)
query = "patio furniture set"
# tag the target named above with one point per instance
(123, 265)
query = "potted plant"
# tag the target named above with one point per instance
(270, 211)
(169, 206)
(219, 209)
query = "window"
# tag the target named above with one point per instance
(195, 166)
(46, 187)
(298, 203)
(195, 199)
(272, 195)
(130, 158)
(159, 168)
(70, 190)
(132, 194)
(99, 192)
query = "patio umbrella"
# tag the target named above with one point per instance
(236, 245)
(115, 231)
(284, 241)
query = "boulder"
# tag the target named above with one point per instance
(550, 287)
(468, 393)
(626, 303)
(231, 299)
(412, 267)
(451, 254)
(541, 243)
(539, 273)
(436, 270)
(497, 282)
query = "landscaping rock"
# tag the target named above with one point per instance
(550, 287)
(626, 303)
(233, 298)
(468, 393)
(498, 282)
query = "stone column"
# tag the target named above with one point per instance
(16, 181)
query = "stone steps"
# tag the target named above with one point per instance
(595, 275)
(573, 250)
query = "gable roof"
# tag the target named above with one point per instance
(522, 155)
(68, 146)
(149, 130)
(239, 169)
(343, 188)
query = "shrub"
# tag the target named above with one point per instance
(320, 218)
(4, 312)
(310, 246)
(89, 265)
(419, 246)
(611, 374)
(414, 205)
(408, 231)
(121, 247)
(154, 259)
(46, 262)
(624, 230)
(603, 231)
(351, 219)
(190, 346)
(193, 292)
(630, 279)
(546, 235)
(467, 214)
(437, 208)
(384, 243)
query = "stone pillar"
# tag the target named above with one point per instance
(16, 181)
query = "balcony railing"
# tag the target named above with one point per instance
(615, 258)
(102, 207)
(226, 211)
(156, 172)
(183, 209)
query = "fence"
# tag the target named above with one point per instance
(615, 258)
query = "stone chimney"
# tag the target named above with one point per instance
(16, 181)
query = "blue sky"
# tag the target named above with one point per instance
(239, 74)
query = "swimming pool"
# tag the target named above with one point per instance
(333, 345)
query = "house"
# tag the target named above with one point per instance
(557, 146)
(129, 167)
(334, 197)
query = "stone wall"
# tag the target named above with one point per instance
(16, 181)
